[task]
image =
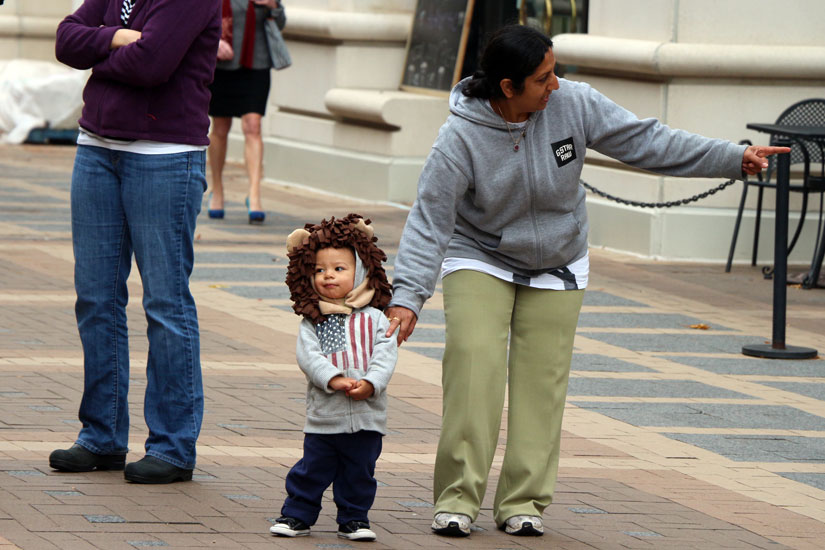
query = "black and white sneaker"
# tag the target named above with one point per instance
(524, 526)
(451, 525)
(356, 530)
(289, 527)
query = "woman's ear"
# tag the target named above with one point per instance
(507, 88)
(296, 239)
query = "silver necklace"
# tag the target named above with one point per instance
(516, 140)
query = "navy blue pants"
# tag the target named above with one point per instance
(347, 461)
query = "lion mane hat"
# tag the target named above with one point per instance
(352, 232)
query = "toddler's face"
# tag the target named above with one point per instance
(334, 272)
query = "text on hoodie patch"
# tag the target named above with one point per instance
(564, 151)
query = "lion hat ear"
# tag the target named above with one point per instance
(296, 239)
(364, 228)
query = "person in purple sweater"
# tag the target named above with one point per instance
(137, 187)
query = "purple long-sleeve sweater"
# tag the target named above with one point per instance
(155, 88)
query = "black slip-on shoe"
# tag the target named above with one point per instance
(81, 459)
(150, 469)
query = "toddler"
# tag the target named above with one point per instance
(337, 283)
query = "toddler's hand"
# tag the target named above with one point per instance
(362, 390)
(340, 383)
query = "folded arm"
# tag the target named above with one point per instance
(82, 41)
(171, 28)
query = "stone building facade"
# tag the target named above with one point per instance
(337, 120)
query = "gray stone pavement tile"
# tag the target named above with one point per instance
(696, 343)
(208, 257)
(602, 298)
(815, 390)
(427, 335)
(638, 320)
(740, 364)
(604, 363)
(22, 198)
(759, 448)
(582, 387)
(706, 415)
(436, 353)
(230, 274)
(814, 480)
(431, 315)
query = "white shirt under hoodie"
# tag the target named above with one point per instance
(524, 211)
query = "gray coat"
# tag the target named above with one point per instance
(366, 354)
(260, 58)
(525, 211)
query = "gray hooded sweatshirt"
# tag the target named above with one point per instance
(524, 211)
(357, 348)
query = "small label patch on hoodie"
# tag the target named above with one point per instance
(564, 151)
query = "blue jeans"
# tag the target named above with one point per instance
(125, 203)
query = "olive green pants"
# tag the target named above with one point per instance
(482, 313)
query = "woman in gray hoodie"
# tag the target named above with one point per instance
(500, 213)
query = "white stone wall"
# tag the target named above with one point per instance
(337, 120)
(27, 28)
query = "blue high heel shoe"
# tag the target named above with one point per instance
(255, 216)
(215, 213)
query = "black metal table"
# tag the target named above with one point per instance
(807, 133)
(777, 348)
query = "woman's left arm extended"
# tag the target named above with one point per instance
(170, 30)
(651, 145)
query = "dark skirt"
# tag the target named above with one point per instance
(236, 93)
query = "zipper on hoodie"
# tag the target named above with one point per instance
(531, 189)
(351, 415)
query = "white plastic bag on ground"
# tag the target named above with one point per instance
(38, 94)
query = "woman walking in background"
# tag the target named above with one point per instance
(241, 89)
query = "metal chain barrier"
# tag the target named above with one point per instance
(667, 204)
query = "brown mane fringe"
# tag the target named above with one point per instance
(336, 233)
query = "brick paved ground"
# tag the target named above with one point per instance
(672, 438)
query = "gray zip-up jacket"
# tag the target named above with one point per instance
(260, 54)
(524, 210)
(365, 353)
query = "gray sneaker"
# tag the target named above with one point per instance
(524, 526)
(451, 525)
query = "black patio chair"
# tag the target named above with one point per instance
(810, 112)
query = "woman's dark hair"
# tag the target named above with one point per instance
(513, 52)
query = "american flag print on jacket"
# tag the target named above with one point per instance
(348, 344)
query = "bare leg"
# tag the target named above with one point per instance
(217, 158)
(254, 156)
